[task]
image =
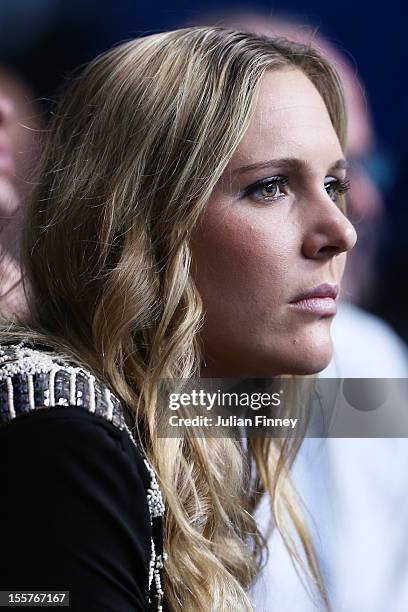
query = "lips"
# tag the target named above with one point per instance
(320, 301)
(322, 291)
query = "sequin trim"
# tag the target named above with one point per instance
(31, 379)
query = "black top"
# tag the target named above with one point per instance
(80, 507)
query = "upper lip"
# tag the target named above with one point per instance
(321, 291)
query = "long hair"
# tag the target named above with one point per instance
(135, 149)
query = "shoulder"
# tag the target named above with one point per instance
(32, 379)
(65, 446)
(39, 388)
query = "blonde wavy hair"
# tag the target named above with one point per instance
(135, 148)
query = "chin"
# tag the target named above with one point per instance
(302, 354)
(302, 363)
(310, 368)
(312, 360)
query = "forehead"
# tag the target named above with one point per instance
(290, 119)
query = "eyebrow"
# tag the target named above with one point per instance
(291, 162)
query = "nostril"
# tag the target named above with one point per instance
(328, 251)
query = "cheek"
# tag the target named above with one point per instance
(240, 265)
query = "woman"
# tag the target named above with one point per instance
(188, 220)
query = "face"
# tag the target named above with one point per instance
(18, 129)
(270, 249)
(8, 194)
(20, 123)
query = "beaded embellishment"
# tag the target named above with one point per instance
(32, 379)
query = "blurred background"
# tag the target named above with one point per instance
(42, 41)
(45, 38)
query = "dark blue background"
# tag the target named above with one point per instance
(374, 35)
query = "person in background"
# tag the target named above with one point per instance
(391, 298)
(20, 123)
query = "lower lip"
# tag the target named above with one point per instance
(320, 306)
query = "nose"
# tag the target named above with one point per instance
(6, 108)
(328, 232)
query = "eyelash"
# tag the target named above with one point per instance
(341, 187)
(280, 181)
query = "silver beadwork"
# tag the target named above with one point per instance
(29, 364)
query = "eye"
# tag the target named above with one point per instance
(335, 187)
(268, 190)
